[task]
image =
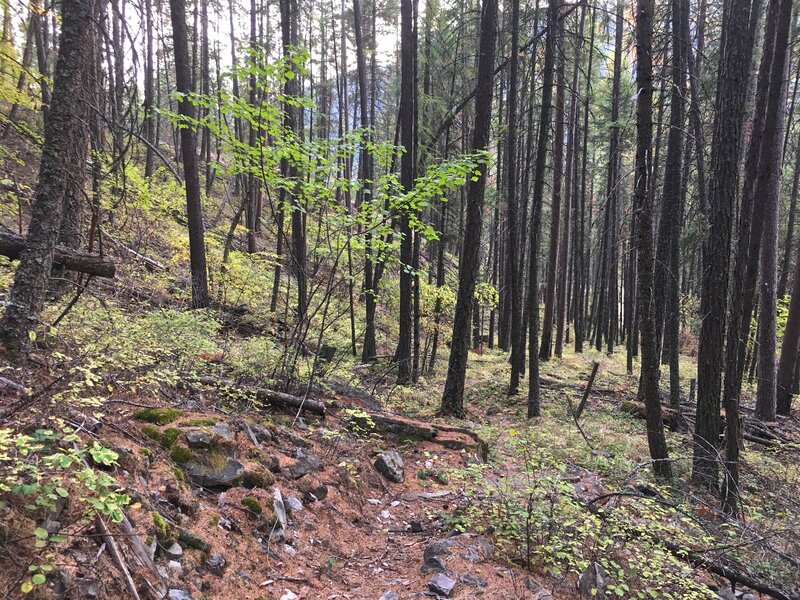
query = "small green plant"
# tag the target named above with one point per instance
(252, 504)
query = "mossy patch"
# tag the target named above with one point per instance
(169, 437)
(201, 422)
(252, 504)
(161, 525)
(257, 477)
(158, 416)
(166, 438)
(181, 454)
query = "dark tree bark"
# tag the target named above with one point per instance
(571, 189)
(787, 244)
(534, 405)
(197, 246)
(407, 134)
(772, 158)
(790, 349)
(512, 254)
(667, 273)
(453, 397)
(369, 350)
(644, 142)
(60, 171)
(607, 282)
(546, 348)
(292, 120)
(734, 67)
(582, 264)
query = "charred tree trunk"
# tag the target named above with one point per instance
(644, 142)
(453, 397)
(734, 67)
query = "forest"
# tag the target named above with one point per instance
(388, 299)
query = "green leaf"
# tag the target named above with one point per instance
(38, 579)
(40, 533)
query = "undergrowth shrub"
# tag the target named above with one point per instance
(47, 466)
(539, 522)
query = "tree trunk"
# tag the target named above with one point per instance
(546, 348)
(407, 134)
(453, 397)
(534, 407)
(790, 348)
(197, 246)
(772, 158)
(512, 256)
(644, 141)
(60, 171)
(734, 68)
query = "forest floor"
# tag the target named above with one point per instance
(519, 525)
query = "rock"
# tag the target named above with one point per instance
(279, 508)
(190, 540)
(270, 462)
(374, 501)
(59, 583)
(726, 594)
(293, 503)
(442, 584)
(415, 527)
(174, 551)
(388, 596)
(262, 434)
(539, 591)
(470, 579)
(313, 490)
(215, 564)
(306, 463)
(226, 476)
(175, 567)
(593, 578)
(748, 597)
(296, 441)
(432, 565)
(198, 439)
(90, 588)
(50, 525)
(385, 514)
(176, 594)
(470, 547)
(289, 550)
(390, 465)
(289, 595)
(223, 430)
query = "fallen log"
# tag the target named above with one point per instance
(670, 416)
(587, 391)
(269, 396)
(12, 388)
(12, 245)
